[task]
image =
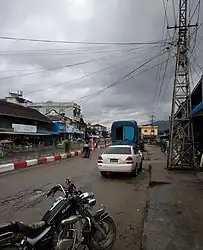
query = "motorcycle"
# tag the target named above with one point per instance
(57, 229)
(86, 151)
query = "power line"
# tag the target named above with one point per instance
(123, 50)
(119, 81)
(86, 75)
(165, 21)
(91, 96)
(164, 94)
(76, 42)
(162, 83)
(166, 17)
(60, 67)
(63, 51)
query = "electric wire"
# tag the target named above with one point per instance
(116, 83)
(165, 91)
(72, 82)
(91, 96)
(166, 17)
(75, 42)
(59, 67)
(163, 79)
(63, 52)
(165, 22)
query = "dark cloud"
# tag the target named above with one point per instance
(90, 20)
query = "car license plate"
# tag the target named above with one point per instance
(114, 160)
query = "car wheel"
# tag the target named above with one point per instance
(103, 174)
(135, 171)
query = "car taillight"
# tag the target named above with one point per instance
(100, 159)
(129, 160)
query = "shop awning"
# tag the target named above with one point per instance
(48, 132)
(22, 133)
(197, 108)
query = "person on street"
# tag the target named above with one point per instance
(86, 148)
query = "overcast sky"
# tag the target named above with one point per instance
(98, 65)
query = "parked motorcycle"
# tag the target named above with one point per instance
(57, 229)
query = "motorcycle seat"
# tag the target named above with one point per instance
(31, 231)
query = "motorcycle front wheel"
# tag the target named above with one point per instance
(96, 242)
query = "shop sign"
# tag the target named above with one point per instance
(59, 127)
(24, 128)
(69, 129)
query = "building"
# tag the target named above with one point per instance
(19, 121)
(68, 112)
(148, 131)
(17, 98)
(67, 109)
(197, 114)
(100, 128)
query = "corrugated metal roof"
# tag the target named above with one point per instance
(15, 110)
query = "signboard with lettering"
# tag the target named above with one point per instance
(59, 127)
(24, 128)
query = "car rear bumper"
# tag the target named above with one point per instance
(124, 168)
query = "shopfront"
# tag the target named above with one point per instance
(60, 128)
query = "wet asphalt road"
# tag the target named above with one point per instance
(23, 198)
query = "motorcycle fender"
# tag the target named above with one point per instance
(101, 214)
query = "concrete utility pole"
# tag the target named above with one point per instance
(181, 146)
(152, 129)
(152, 124)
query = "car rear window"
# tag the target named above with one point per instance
(118, 150)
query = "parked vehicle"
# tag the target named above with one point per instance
(120, 158)
(125, 133)
(57, 230)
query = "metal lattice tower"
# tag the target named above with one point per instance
(181, 145)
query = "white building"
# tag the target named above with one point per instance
(68, 109)
(17, 98)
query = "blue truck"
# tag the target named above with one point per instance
(125, 133)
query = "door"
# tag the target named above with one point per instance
(128, 133)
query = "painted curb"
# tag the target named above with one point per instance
(42, 160)
(6, 167)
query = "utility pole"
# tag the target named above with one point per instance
(152, 124)
(152, 127)
(181, 145)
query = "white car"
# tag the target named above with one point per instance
(120, 158)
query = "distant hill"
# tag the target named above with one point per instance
(163, 125)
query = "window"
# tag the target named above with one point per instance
(145, 131)
(118, 150)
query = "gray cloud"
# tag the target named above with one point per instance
(89, 20)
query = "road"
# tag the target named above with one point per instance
(23, 198)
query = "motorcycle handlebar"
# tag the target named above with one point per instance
(55, 189)
(71, 189)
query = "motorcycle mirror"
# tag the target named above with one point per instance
(67, 181)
